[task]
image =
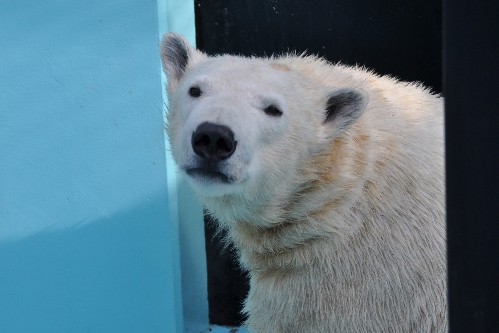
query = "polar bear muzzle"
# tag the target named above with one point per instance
(213, 142)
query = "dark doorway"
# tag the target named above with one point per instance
(471, 80)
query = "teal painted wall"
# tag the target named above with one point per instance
(89, 237)
(178, 16)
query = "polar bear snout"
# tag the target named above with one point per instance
(213, 142)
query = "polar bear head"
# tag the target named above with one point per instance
(243, 128)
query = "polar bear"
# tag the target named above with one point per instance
(329, 181)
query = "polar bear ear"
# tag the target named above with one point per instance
(344, 106)
(176, 55)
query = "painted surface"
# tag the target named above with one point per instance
(87, 243)
(178, 16)
(222, 329)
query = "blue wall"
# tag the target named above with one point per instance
(178, 16)
(88, 241)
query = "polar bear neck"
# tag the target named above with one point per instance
(317, 208)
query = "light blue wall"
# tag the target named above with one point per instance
(178, 16)
(88, 239)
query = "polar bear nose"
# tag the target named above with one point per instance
(213, 142)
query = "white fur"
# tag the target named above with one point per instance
(340, 227)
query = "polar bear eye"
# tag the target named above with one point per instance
(273, 111)
(194, 91)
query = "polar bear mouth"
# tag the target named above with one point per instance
(209, 175)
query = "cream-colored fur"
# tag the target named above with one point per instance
(339, 222)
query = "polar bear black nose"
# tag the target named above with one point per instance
(213, 142)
